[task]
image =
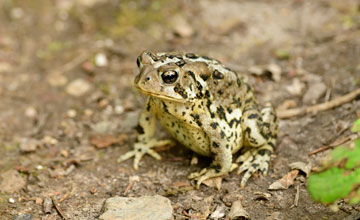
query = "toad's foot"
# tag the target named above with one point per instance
(252, 160)
(142, 148)
(204, 174)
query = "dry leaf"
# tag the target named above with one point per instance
(306, 168)
(214, 182)
(285, 181)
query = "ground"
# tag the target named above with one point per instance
(68, 108)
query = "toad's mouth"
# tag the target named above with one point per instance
(160, 96)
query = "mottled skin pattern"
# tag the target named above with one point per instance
(207, 108)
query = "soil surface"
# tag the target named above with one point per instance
(68, 107)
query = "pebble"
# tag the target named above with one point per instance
(24, 217)
(101, 60)
(28, 145)
(11, 200)
(78, 87)
(146, 207)
(314, 92)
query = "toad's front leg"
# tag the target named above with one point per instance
(145, 141)
(222, 163)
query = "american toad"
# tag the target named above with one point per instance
(207, 108)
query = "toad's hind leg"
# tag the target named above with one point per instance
(260, 130)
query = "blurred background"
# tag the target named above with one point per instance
(66, 94)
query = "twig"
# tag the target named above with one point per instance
(335, 144)
(297, 196)
(320, 107)
(72, 64)
(58, 209)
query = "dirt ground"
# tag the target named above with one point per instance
(68, 108)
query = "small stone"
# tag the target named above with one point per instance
(47, 205)
(296, 88)
(146, 207)
(39, 167)
(119, 109)
(71, 113)
(57, 79)
(49, 140)
(30, 112)
(88, 112)
(314, 93)
(78, 87)
(24, 217)
(274, 216)
(28, 145)
(101, 60)
(11, 200)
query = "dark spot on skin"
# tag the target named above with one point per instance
(252, 116)
(248, 131)
(255, 165)
(271, 144)
(227, 146)
(184, 136)
(228, 109)
(266, 124)
(207, 94)
(148, 107)
(216, 145)
(183, 113)
(218, 75)
(206, 57)
(248, 87)
(222, 134)
(139, 150)
(180, 63)
(262, 152)
(220, 92)
(139, 129)
(204, 77)
(237, 102)
(199, 86)
(217, 168)
(177, 131)
(198, 123)
(191, 56)
(214, 125)
(180, 90)
(153, 57)
(247, 101)
(221, 112)
(192, 74)
(212, 115)
(238, 82)
(138, 61)
(173, 124)
(165, 108)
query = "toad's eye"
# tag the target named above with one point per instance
(170, 76)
